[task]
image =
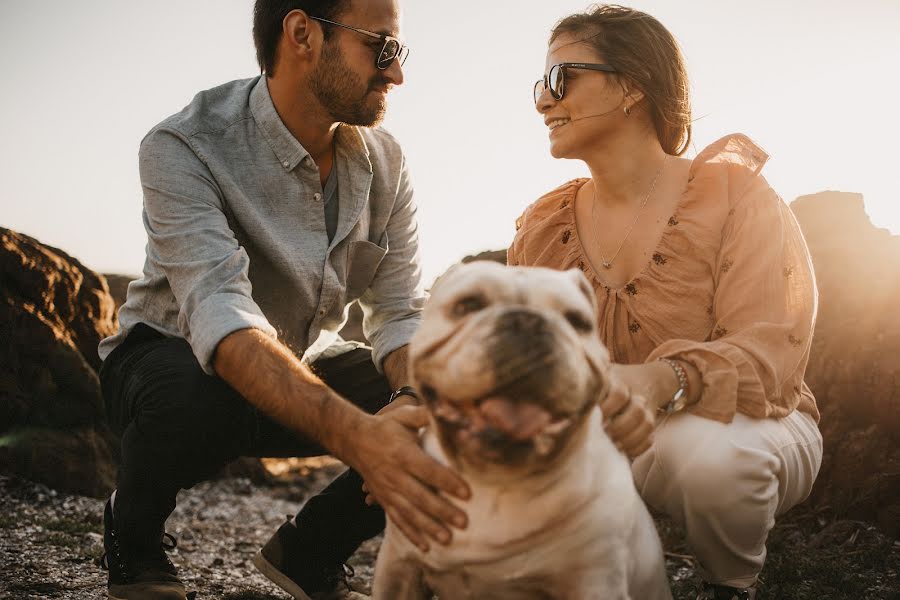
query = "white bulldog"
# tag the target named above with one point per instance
(509, 362)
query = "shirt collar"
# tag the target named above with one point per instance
(351, 146)
(285, 146)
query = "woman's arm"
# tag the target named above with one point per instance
(764, 306)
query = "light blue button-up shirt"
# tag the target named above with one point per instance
(236, 234)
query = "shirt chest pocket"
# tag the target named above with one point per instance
(363, 259)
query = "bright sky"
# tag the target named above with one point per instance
(812, 81)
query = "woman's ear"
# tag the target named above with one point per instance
(633, 95)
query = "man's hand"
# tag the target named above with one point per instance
(403, 479)
(383, 448)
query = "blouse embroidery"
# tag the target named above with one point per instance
(727, 264)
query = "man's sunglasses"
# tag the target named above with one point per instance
(555, 79)
(391, 50)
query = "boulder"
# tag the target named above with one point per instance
(118, 287)
(854, 368)
(53, 313)
(492, 255)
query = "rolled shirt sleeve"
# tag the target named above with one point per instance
(190, 241)
(392, 305)
(764, 307)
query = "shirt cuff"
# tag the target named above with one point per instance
(217, 317)
(393, 336)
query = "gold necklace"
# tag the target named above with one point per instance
(607, 264)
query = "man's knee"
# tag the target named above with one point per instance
(165, 392)
(353, 375)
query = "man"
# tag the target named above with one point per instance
(269, 205)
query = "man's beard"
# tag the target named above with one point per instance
(342, 93)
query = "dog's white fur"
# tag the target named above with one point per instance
(565, 520)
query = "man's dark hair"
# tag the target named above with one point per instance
(268, 16)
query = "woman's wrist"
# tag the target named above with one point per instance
(667, 384)
(682, 377)
(679, 397)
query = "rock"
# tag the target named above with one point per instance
(118, 287)
(79, 461)
(494, 255)
(53, 313)
(854, 368)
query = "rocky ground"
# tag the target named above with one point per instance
(49, 543)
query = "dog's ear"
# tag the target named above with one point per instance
(596, 352)
(584, 286)
(444, 276)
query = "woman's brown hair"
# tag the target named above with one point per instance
(643, 51)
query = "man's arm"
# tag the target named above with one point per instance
(392, 305)
(396, 368)
(383, 448)
(271, 378)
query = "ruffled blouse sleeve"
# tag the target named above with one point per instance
(764, 307)
(544, 228)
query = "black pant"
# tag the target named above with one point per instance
(180, 425)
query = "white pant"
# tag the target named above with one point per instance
(725, 483)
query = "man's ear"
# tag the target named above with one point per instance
(301, 35)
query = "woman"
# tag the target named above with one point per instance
(705, 288)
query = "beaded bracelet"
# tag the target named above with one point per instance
(679, 399)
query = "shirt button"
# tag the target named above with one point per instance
(286, 164)
(322, 312)
(317, 196)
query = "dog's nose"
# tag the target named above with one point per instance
(523, 350)
(522, 322)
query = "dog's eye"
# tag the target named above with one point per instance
(578, 321)
(468, 305)
(429, 392)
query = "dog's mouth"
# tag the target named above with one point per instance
(498, 429)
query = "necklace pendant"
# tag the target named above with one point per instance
(607, 264)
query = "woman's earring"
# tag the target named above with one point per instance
(626, 110)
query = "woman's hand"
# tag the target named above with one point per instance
(628, 417)
(629, 409)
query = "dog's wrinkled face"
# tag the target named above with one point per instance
(509, 362)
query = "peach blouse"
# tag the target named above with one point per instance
(729, 289)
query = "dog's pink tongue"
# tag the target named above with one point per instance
(520, 421)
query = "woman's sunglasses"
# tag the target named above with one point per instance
(555, 79)
(390, 51)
